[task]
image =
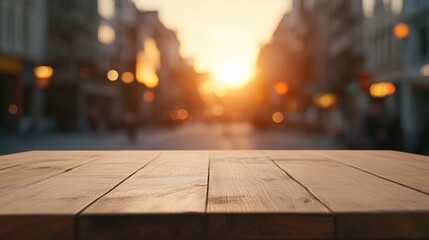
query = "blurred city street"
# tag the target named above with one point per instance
(195, 136)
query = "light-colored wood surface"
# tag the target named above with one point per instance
(26, 173)
(350, 192)
(407, 169)
(61, 197)
(250, 182)
(214, 195)
(174, 177)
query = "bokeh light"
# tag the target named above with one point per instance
(106, 34)
(43, 72)
(148, 63)
(281, 88)
(278, 117)
(127, 77)
(13, 109)
(382, 90)
(326, 100)
(424, 70)
(112, 75)
(401, 30)
(148, 96)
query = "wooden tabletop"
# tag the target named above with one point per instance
(213, 195)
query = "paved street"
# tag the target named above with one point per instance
(195, 136)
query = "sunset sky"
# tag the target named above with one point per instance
(221, 35)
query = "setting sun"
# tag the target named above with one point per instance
(233, 74)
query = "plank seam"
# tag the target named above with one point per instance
(305, 187)
(12, 166)
(333, 215)
(375, 175)
(208, 185)
(47, 178)
(76, 218)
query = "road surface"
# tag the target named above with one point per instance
(192, 136)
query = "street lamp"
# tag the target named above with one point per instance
(43, 76)
(402, 31)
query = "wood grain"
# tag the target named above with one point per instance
(214, 195)
(175, 183)
(349, 192)
(61, 197)
(251, 183)
(10, 160)
(407, 169)
(294, 155)
(39, 168)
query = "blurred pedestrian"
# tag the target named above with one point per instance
(131, 125)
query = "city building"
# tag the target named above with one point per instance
(22, 48)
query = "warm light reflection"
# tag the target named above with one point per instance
(281, 88)
(43, 76)
(397, 6)
(106, 8)
(13, 109)
(233, 74)
(217, 111)
(401, 31)
(425, 70)
(179, 115)
(326, 100)
(149, 96)
(368, 8)
(43, 72)
(106, 34)
(148, 63)
(127, 77)
(112, 75)
(278, 117)
(382, 90)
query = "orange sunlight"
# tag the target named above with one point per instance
(233, 74)
(148, 62)
(223, 37)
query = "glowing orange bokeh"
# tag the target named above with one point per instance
(127, 77)
(382, 90)
(401, 31)
(326, 100)
(281, 88)
(148, 63)
(278, 117)
(149, 96)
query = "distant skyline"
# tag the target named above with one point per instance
(217, 32)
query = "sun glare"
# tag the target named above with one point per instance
(233, 74)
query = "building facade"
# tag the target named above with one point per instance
(22, 47)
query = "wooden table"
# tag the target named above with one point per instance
(213, 195)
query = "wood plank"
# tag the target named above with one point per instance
(407, 169)
(173, 186)
(55, 201)
(294, 155)
(251, 183)
(351, 193)
(10, 160)
(32, 170)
